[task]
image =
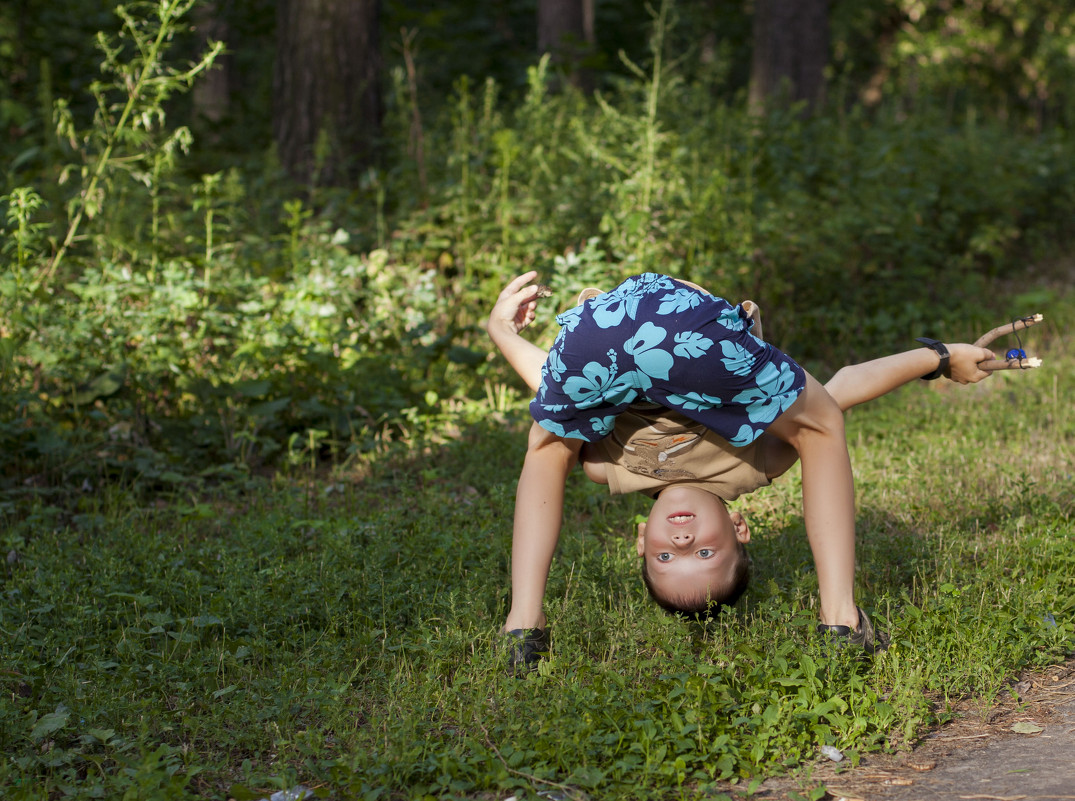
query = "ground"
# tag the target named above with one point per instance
(1021, 748)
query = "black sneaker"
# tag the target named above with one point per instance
(526, 647)
(866, 637)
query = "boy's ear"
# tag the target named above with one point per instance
(740, 527)
(640, 543)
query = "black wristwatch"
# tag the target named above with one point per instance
(942, 351)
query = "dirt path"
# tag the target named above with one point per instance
(1018, 750)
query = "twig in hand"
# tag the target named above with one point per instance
(1016, 359)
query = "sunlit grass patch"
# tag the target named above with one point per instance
(342, 634)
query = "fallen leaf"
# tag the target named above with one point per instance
(1025, 727)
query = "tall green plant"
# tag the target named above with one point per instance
(631, 143)
(128, 125)
(23, 205)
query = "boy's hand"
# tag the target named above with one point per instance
(514, 309)
(963, 363)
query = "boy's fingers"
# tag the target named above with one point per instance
(518, 282)
(984, 355)
(527, 297)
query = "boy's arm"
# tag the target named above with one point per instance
(514, 311)
(858, 383)
(539, 505)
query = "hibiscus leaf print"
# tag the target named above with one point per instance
(745, 436)
(691, 344)
(569, 319)
(554, 428)
(680, 300)
(737, 359)
(610, 308)
(731, 320)
(555, 365)
(693, 401)
(650, 359)
(600, 384)
(603, 425)
(771, 396)
(625, 389)
(639, 381)
(589, 388)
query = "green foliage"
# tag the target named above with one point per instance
(865, 233)
(174, 627)
(178, 369)
(23, 205)
(124, 136)
(1012, 59)
(342, 634)
(161, 327)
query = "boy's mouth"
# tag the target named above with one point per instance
(680, 518)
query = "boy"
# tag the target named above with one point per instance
(768, 411)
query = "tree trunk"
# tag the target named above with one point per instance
(327, 99)
(791, 51)
(210, 94)
(566, 33)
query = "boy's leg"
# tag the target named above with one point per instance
(814, 426)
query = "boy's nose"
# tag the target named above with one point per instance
(683, 537)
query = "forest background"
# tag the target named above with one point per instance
(198, 280)
(249, 246)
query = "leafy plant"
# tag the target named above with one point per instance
(341, 633)
(130, 107)
(215, 324)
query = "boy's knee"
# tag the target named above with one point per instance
(822, 428)
(541, 440)
(830, 417)
(815, 415)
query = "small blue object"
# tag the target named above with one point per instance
(1015, 353)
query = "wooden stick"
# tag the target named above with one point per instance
(1008, 328)
(1015, 364)
(1024, 363)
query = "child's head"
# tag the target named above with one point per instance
(692, 551)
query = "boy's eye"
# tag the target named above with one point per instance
(663, 557)
(705, 553)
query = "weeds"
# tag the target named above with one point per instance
(205, 323)
(130, 106)
(256, 506)
(343, 636)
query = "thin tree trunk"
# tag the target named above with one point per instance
(791, 51)
(327, 99)
(566, 33)
(211, 94)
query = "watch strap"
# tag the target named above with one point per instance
(942, 351)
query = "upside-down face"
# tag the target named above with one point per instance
(691, 543)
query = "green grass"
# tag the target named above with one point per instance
(341, 632)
